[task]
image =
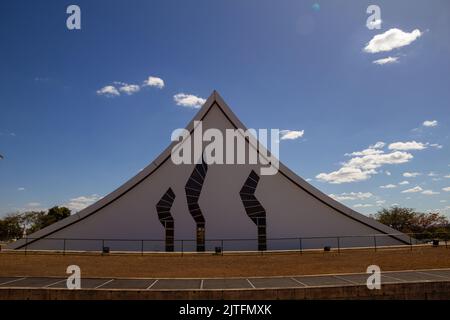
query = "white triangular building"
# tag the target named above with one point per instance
(196, 207)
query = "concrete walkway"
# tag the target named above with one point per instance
(312, 281)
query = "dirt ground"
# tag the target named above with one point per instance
(208, 265)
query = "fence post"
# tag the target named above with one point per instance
(375, 242)
(64, 247)
(339, 244)
(103, 245)
(301, 246)
(142, 247)
(410, 242)
(26, 245)
(222, 247)
(182, 247)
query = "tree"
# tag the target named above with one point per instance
(57, 213)
(407, 220)
(36, 220)
(15, 225)
(10, 227)
(400, 219)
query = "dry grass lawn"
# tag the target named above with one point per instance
(163, 265)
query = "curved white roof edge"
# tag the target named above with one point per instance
(214, 98)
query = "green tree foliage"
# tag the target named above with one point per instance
(407, 220)
(13, 226)
(10, 227)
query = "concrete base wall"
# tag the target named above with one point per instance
(401, 291)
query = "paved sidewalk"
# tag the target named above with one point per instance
(313, 281)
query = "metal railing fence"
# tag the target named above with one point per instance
(219, 246)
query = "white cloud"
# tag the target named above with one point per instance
(378, 145)
(366, 205)
(429, 192)
(388, 173)
(380, 202)
(344, 174)
(365, 152)
(351, 196)
(403, 182)
(21, 189)
(129, 89)
(385, 60)
(447, 176)
(392, 39)
(291, 134)
(388, 186)
(446, 189)
(79, 203)
(432, 174)
(108, 91)
(411, 174)
(154, 82)
(430, 123)
(364, 164)
(372, 149)
(188, 100)
(409, 145)
(374, 161)
(436, 145)
(413, 190)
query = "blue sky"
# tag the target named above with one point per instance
(297, 65)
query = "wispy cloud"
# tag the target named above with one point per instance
(21, 189)
(411, 174)
(388, 186)
(409, 145)
(360, 205)
(430, 123)
(391, 39)
(387, 60)
(413, 190)
(128, 89)
(291, 134)
(351, 196)
(79, 203)
(364, 164)
(154, 82)
(188, 100)
(108, 91)
(436, 145)
(429, 192)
